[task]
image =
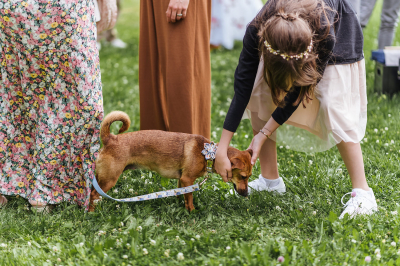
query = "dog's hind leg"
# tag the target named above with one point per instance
(94, 197)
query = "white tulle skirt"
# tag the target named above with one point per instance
(337, 113)
(229, 19)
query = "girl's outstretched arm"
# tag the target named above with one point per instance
(260, 138)
(222, 164)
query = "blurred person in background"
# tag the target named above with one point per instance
(174, 66)
(229, 19)
(389, 19)
(111, 36)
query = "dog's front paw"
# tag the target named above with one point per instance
(189, 208)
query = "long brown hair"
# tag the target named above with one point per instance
(290, 28)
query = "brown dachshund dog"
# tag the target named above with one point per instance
(172, 155)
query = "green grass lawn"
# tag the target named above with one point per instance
(302, 226)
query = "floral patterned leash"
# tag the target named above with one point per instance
(209, 154)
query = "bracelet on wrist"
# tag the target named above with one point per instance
(265, 134)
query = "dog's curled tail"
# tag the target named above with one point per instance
(111, 118)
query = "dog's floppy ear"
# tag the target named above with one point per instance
(237, 163)
(250, 151)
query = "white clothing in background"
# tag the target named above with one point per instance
(229, 19)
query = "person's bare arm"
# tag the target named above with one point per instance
(260, 138)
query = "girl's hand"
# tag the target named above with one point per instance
(256, 144)
(222, 165)
(177, 10)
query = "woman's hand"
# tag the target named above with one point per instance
(222, 165)
(177, 10)
(256, 144)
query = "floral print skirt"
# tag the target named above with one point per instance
(50, 99)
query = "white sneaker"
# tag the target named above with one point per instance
(361, 202)
(118, 43)
(260, 184)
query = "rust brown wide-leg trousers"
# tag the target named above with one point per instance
(174, 68)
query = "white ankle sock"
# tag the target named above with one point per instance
(361, 190)
(271, 183)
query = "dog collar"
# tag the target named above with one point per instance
(209, 151)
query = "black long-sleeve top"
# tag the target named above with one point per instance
(344, 45)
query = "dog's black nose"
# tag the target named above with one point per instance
(244, 192)
(241, 192)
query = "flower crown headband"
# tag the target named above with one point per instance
(286, 56)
